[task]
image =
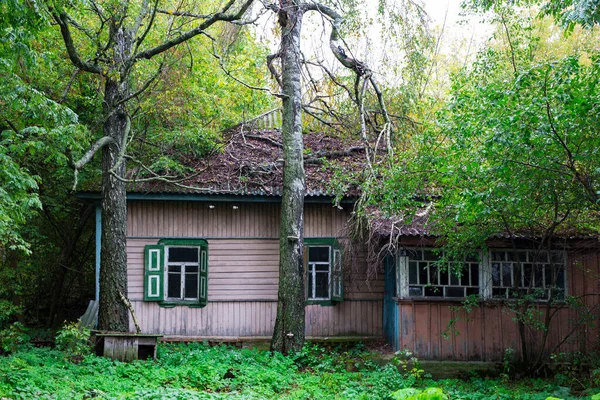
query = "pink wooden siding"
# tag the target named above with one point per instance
(257, 318)
(196, 219)
(485, 333)
(243, 264)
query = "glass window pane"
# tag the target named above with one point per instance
(183, 254)
(497, 256)
(455, 292)
(539, 276)
(415, 291)
(310, 284)
(322, 267)
(474, 274)
(412, 273)
(433, 274)
(322, 285)
(318, 253)
(560, 278)
(506, 275)
(548, 275)
(191, 284)
(434, 291)
(191, 268)
(174, 285)
(454, 276)
(528, 272)
(538, 257)
(495, 274)
(444, 275)
(416, 255)
(471, 291)
(430, 255)
(423, 273)
(174, 268)
(497, 292)
(558, 257)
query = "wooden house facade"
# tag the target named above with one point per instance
(203, 265)
(243, 270)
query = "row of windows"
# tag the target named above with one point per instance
(176, 271)
(500, 274)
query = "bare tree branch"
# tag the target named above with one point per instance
(272, 70)
(104, 141)
(62, 20)
(90, 153)
(219, 16)
(68, 87)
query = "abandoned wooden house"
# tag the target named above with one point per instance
(203, 263)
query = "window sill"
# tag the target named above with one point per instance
(460, 300)
(328, 303)
(172, 304)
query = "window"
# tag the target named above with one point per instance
(428, 277)
(176, 272)
(183, 266)
(529, 272)
(499, 274)
(323, 262)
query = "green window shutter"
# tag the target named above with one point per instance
(203, 281)
(337, 277)
(154, 272)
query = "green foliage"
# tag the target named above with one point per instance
(415, 394)
(13, 337)
(408, 365)
(198, 371)
(74, 339)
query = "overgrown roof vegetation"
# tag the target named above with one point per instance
(248, 161)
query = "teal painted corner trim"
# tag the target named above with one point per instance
(98, 249)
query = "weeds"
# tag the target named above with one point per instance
(199, 371)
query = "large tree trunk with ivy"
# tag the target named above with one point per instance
(289, 325)
(113, 313)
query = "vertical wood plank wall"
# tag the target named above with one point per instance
(243, 271)
(488, 331)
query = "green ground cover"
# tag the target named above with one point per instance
(198, 371)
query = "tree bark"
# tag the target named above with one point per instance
(112, 313)
(288, 335)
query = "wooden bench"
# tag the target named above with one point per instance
(127, 346)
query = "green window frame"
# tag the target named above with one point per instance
(159, 271)
(335, 273)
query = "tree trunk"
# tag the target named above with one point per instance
(112, 312)
(288, 334)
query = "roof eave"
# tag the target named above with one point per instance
(217, 197)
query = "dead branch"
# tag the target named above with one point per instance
(130, 308)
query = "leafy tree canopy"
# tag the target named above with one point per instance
(515, 150)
